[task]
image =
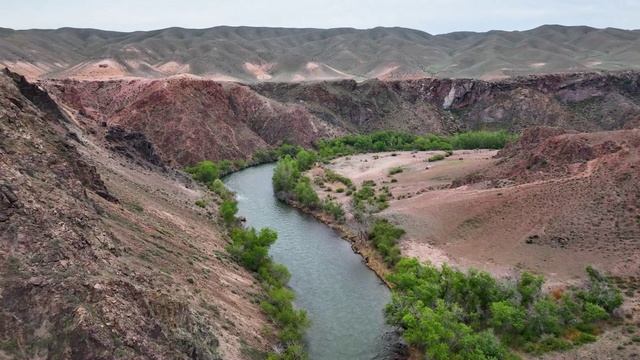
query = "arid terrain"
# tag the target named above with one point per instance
(543, 204)
(258, 54)
(553, 203)
(103, 253)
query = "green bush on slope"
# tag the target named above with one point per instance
(455, 315)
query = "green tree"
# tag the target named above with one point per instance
(285, 175)
(306, 159)
(385, 236)
(305, 193)
(529, 287)
(250, 247)
(544, 318)
(228, 210)
(205, 171)
(507, 317)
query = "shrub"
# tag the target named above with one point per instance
(385, 236)
(334, 209)
(205, 171)
(332, 176)
(366, 192)
(305, 194)
(395, 170)
(218, 187)
(264, 156)
(436, 157)
(276, 275)
(593, 313)
(288, 149)
(601, 291)
(228, 210)
(201, 203)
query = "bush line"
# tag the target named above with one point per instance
(449, 314)
(250, 248)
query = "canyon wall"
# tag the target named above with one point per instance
(103, 253)
(190, 120)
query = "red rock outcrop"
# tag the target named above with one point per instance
(189, 120)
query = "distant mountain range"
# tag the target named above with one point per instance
(254, 54)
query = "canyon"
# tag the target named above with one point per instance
(105, 253)
(214, 120)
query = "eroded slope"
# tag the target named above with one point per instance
(104, 255)
(190, 120)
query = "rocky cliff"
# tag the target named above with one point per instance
(103, 253)
(584, 102)
(189, 120)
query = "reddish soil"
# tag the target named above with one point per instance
(553, 203)
(189, 120)
(103, 254)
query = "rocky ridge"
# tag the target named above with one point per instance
(190, 120)
(103, 253)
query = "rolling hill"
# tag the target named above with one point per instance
(253, 54)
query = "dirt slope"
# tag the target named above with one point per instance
(103, 254)
(254, 54)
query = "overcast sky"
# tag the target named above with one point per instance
(433, 16)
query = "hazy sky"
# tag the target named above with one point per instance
(433, 16)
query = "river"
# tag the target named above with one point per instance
(343, 298)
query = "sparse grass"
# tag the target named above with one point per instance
(13, 265)
(395, 170)
(332, 176)
(134, 206)
(436, 157)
